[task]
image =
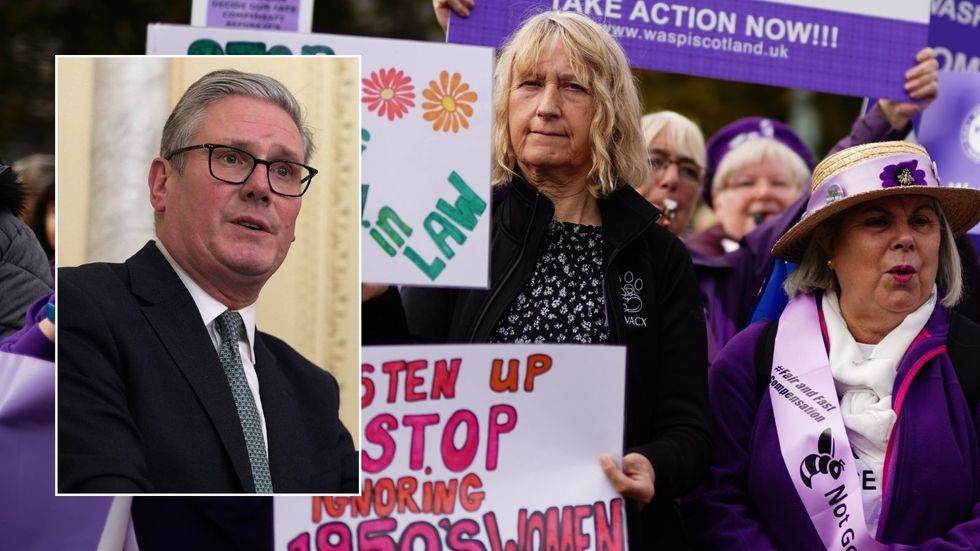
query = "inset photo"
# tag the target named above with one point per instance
(207, 281)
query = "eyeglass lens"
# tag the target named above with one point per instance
(235, 166)
(686, 170)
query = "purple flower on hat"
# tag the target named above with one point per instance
(903, 174)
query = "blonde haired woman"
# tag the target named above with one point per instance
(569, 234)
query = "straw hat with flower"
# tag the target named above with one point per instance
(871, 171)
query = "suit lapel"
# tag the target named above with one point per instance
(290, 448)
(174, 317)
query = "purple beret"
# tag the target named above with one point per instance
(743, 130)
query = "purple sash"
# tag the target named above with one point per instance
(811, 430)
(30, 514)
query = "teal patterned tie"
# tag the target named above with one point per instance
(231, 328)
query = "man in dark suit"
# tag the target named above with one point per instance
(165, 385)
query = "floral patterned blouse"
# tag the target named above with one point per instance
(563, 300)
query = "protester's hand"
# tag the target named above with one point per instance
(372, 290)
(635, 480)
(922, 85)
(47, 328)
(442, 7)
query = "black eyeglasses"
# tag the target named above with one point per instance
(235, 166)
(688, 171)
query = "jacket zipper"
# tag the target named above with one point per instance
(510, 271)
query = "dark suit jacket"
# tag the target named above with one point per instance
(144, 405)
(164, 523)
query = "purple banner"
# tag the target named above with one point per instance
(749, 41)
(30, 514)
(270, 15)
(950, 129)
(954, 32)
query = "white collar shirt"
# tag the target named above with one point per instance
(210, 308)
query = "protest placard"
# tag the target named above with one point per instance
(954, 32)
(269, 15)
(950, 130)
(837, 46)
(425, 145)
(477, 447)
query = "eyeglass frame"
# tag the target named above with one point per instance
(668, 160)
(268, 166)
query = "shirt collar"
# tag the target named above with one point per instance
(210, 308)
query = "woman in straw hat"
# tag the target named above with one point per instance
(860, 434)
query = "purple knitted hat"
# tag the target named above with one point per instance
(743, 130)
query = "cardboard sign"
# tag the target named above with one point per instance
(837, 46)
(954, 32)
(425, 143)
(269, 15)
(477, 447)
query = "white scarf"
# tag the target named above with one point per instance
(864, 384)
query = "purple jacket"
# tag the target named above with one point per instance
(932, 483)
(731, 283)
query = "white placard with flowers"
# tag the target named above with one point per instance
(425, 142)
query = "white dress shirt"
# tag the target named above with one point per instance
(210, 309)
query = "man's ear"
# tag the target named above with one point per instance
(160, 177)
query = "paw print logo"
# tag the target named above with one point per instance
(631, 287)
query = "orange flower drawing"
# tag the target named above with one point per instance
(449, 103)
(389, 91)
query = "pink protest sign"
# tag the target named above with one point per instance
(477, 447)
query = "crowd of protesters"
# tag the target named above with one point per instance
(873, 315)
(847, 273)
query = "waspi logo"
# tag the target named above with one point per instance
(822, 462)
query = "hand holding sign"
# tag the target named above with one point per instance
(442, 7)
(922, 85)
(372, 290)
(635, 481)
